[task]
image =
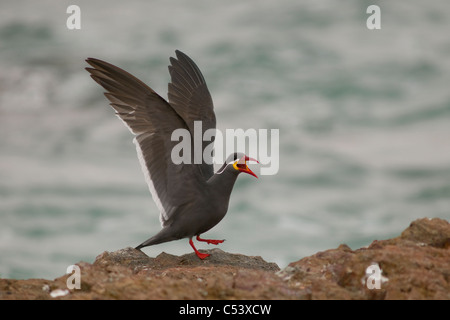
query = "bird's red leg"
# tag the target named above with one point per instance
(209, 241)
(199, 254)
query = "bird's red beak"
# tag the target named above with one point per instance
(242, 165)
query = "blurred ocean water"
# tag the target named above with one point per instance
(363, 116)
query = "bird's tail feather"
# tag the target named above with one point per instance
(149, 242)
(163, 236)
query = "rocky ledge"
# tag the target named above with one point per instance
(415, 265)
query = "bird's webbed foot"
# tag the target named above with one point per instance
(210, 241)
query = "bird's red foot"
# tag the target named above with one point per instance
(198, 253)
(202, 255)
(209, 241)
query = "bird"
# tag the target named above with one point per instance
(191, 198)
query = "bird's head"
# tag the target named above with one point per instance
(237, 162)
(241, 165)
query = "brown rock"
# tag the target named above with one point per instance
(414, 265)
(137, 260)
(432, 232)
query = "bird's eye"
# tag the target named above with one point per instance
(239, 165)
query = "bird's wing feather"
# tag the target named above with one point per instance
(190, 97)
(152, 120)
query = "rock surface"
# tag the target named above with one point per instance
(415, 265)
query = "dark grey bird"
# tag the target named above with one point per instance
(191, 198)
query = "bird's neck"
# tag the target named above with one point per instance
(221, 185)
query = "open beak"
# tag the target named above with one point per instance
(242, 165)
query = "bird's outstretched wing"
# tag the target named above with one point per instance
(152, 120)
(190, 97)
